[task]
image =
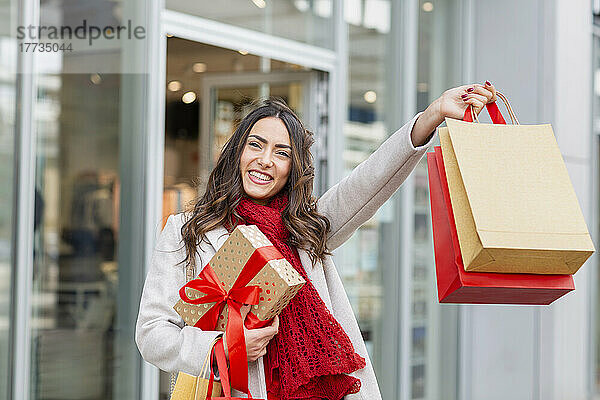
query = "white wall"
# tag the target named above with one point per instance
(538, 52)
(566, 372)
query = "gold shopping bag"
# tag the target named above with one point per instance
(513, 202)
(190, 387)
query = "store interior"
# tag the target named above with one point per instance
(198, 87)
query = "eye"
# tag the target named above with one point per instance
(254, 144)
(283, 153)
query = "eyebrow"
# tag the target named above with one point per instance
(262, 139)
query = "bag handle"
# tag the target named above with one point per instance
(206, 368)
(219, 352)
(494, 112)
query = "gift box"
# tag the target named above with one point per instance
(277, 280)
(454, 284)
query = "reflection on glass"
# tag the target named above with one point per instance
(432, 335)
(75, 268)
(597, 302)
(302, 20)
(418, 378)
(361, 258)
(422, 321)
(78, 286)
(8, 57)
(596, 131)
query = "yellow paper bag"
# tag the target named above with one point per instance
(513, 202)
(190, 387)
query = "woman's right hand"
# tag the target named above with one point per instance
(256, 339)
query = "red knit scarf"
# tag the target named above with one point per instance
(310, 356)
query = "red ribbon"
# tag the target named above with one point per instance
(218, 352)
(209, 283)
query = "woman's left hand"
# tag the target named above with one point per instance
(452, 103)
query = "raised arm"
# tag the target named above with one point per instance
(161, 336)
(356, 198)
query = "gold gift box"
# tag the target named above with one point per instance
(278, 280)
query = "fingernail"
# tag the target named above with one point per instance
(488, 83)
(470, 89)
(464, 96)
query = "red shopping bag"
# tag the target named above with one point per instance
(455, 285)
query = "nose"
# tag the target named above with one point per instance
(265, 160)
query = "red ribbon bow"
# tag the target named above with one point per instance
(209, 283)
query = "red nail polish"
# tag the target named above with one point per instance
(488, 83)
(464, 96)
(470, 90)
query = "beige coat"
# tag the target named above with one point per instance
(166, 342)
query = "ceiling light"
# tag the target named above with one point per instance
(174, 86)
(377, 15)
(323, 8)
(169, 35)
(353, 12)
(188, 97)
(260, 3)
(428, 6)
(199, 67)
(302, 5)
(370, 96)
(243, 52)
(96, 79)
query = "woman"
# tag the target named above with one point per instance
(264, 176)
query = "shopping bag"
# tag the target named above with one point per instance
(190, 387)
(514, 205)
(454, 284)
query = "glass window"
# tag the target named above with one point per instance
(434, 325)
(366, 257)
(307, 21)
(361, 259)
(82, 319)
(596, 133)
(8, 62)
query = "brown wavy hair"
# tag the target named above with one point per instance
(216, 207)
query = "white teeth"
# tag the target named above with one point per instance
(260, 176)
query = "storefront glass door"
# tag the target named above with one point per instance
(8, 88)
(596, 284)
(84, 291)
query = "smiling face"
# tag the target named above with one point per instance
(266, 160)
